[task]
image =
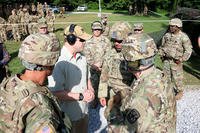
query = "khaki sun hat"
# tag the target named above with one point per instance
(78, 31)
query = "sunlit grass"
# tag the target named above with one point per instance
(151, 24)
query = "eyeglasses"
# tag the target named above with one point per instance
(81, 40)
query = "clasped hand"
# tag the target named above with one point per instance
(88, 95)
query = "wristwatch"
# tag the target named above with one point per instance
(81, 97)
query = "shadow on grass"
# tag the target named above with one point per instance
(58, 29)
(157, 36)
(13, 55)
(120, 12)
(192, 66)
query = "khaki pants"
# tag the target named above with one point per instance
(80, 126)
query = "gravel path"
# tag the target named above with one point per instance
(188, 111)
(188, 114)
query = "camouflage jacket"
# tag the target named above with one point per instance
(114, 74)
(28, 107)
(27, 18)
(20, 14)
(50, 18)
(13, 19)
(106, 30)
(96, 48)
(2, 23)
(176, 46)
(153, 98)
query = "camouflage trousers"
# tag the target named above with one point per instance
(51, 26)
(25, 28)
(174, 72)
(16, 34)
(3, 34)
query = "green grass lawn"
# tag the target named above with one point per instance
(152, 25)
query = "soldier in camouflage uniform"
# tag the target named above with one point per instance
(94, 50)
(20, 14)
(42, 26)
(26, 104)
(150, 105)
(40, 11)
(46, 8)
(33, 25)
(175, 49)
(3, 26)
(20, 9)
(14, 21)
(4, 59)
(33, 9)
(106, 27)
(145, 13)
(62, 12)
(114, 76)
(50, 17)
(26, 21)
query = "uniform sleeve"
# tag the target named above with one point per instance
(103, 83)
(88, 53)
(42, 119)
(187, 46)
(160, 49)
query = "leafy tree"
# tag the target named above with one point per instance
(117, 4)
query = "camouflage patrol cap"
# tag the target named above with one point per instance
(120, 30)
(138, 26)
(138, 46)
(96, 25)
(176, 21)
(104, 16)
(42, 22)
(40, 49)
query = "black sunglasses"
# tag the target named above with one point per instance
(118, 41)
(81, 40)
(137, 30)
(97, 29)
